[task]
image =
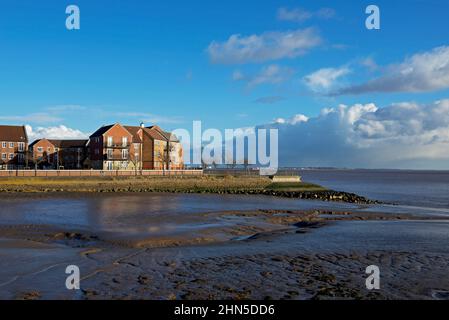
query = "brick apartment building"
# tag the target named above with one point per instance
(111, 147)
(13, 147)
(57, 154)
(118, 147)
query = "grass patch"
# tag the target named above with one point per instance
(206, 184)
(295, 187)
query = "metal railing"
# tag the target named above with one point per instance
(97, 173)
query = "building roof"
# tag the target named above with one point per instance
(13, 134)
(167, 135)
(134, 130)
(102, 130)
(63, 143)
(155, 134)
(34, 142)
(69, 143)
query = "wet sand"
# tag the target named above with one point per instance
(224, 254)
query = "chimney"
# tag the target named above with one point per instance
(142, 125)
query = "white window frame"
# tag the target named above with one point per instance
(4, 156)
(21, 146)
(4, 144)
(110, 153)
(11, 156)
(125, 154)
(11, 144)
(110, 141)
(124, 141)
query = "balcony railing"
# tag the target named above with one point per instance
(116, 158)
(118, 146)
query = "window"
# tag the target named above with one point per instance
(125, 141)
(40, 149)
(124, 154)
(11, 156)
(11, 144)
(20, 157)
(3, 144)
(3, 156)
(110, 154)
(110, 141)
(21, 146)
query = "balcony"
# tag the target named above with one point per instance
(117, 146)
(115, 158)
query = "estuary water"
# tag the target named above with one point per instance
(425, 189)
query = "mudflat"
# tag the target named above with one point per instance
(212, 249)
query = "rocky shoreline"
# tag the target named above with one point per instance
(327, 195)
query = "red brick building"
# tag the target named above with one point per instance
(113, 147)
(117, 147)
(13, 147)
(59, 154)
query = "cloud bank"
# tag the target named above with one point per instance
(422, 72)
(56, 132)
(403, 135)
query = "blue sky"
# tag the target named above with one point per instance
(153, 60)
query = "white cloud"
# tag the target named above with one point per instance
(422, 72)
(404, 135)
(293, 120)
(34, 118)
(66, 108)
(301, 15)
(56, 132)
(369, 63)
(237, 75)
(267, 46)
(325, 79)
(147, 118)
(269, 99)
(272, 74)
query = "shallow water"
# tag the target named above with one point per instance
(153, 213)
(158, 214)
